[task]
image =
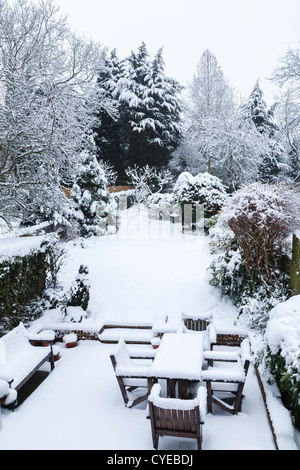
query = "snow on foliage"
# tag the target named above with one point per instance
(283, 330)
(261, 217)
(91, 197)
(202, 189)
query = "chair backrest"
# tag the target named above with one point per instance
(175, 416)
(120, 358)
(196, 324)
(123, 365)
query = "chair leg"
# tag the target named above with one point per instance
(123, 390)
(209, 396)
(238, 397)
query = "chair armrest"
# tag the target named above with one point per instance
(202, 399)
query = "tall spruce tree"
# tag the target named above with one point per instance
(108, 133)
(147, 130)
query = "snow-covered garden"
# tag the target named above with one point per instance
(128, 200)
(135, 277)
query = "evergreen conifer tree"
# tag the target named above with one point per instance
(91, 197)
(108, 135)
(147, 130)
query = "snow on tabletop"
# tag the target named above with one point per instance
(179, 356)
(10, 247)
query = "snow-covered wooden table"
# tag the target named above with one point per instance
(179, 361)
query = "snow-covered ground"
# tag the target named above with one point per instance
(135, 276)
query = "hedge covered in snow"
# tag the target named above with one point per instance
(25, 266)
(283, 357)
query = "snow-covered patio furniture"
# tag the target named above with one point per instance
(179, 361)
(223, 382)
(166, 324)
(177, 417)
(131, 376)
(20, 358)
(196, 323)
(210, 355)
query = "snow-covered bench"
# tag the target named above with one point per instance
(177, 417)
(20, 359)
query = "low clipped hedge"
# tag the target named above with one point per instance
(22, 279)
(288, 382)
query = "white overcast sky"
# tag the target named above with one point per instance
(246, 36)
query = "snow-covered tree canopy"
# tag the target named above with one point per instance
(148, 180)
(48, 77)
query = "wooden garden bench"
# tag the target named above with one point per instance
(20, 359)
(177, 417)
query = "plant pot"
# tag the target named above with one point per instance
(155, 342)
(56, 357)
(70, 340)
(2, 400)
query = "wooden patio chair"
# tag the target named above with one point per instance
(131, 377)
(196, 324)
(176, 417)
(223, 382)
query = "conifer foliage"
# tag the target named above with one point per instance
(91, 197)
(147, 128)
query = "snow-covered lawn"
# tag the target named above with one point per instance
(133, 278)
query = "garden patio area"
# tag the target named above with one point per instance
(134, 278)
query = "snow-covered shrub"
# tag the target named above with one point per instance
(93, 203)
(249, 241)
(161, 206)
(227, 270)
(282, 360)
(200, 189)
(261, 216)
(79, 294)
